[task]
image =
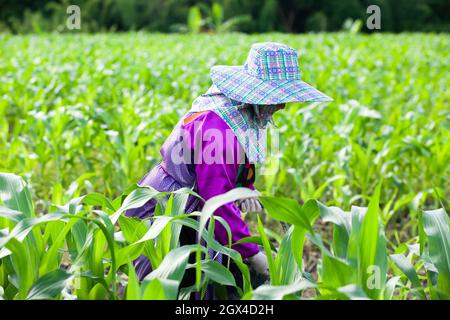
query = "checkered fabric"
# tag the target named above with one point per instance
(271, 75)
(273, 61)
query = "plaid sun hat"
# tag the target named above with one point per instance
(271, 75)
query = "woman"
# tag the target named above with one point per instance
(215, 146)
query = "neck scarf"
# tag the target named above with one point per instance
(248, 122)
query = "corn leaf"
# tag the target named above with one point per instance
(273, 292)
(272, 267)
(133, 289)
(218, 273)
(49, 285)
(408, 270)
(368, 242)
(436, 225)
(15, 195)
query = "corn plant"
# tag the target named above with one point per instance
(355, 264)
(79, 243)
(85, 249)
(80, 132)
(74, 126)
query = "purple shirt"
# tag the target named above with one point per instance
(217, 178)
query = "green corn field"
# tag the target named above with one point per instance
(361, 184)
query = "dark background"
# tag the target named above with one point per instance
(250, 16)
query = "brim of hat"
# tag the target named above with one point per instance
(235, 83)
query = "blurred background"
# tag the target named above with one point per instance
(250, 16)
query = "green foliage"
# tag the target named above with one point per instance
(194, 21)
(92, 272)
(81, 131)
(436, 226)
(96, 125)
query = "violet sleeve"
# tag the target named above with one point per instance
(218, 178)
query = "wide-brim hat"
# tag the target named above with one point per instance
(271, 75)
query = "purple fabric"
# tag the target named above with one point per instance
(159, 179)
(218, 178)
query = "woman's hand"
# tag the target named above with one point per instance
(259, 263)
(249, 205)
